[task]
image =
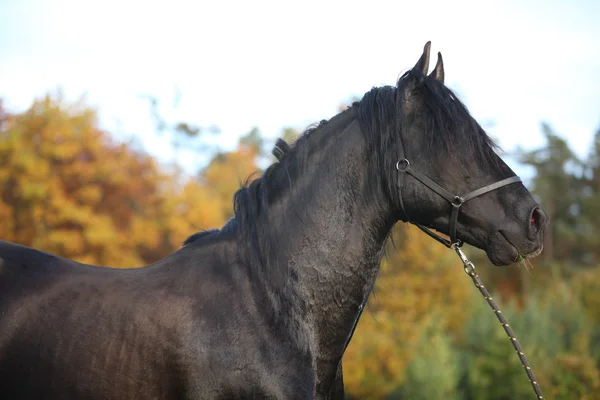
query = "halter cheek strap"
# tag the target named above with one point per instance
(404, 167)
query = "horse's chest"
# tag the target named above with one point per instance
(248, 362)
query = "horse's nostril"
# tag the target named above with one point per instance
(534, 218)
(538, 218)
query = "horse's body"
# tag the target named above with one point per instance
(78, 331)
(265, 306)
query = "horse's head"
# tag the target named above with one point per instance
(445, 153)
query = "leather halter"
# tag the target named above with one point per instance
(404, 167)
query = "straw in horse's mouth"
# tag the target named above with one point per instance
(534, 253)
(521, 257)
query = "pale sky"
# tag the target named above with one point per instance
(241, 64)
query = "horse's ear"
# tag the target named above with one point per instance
(438, 71)
(423, 64)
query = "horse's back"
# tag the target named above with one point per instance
(69, 330)
(18, 259)
(24, 274)
(28, 276)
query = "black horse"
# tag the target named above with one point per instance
(265, 306)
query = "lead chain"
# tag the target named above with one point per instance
(470, 270)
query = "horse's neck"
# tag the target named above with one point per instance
(338, 272)
(337, 249)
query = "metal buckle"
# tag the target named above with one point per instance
(403, 165)
(467, 264)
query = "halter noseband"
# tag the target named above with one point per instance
(403, 166)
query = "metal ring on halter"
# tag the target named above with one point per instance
(468, 265)
(406, 164)
(456, 245)
(469, 268)
(460, 253)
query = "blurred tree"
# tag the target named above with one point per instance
(228, 170)
(589, 222)
(66, 187)
(189, 209)
(558, 183)
(556, 339)
(184, 136)
(290, 135)
(253, 140)
(436, 369)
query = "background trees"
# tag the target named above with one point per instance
(68, 187)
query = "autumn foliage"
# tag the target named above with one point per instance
(70, 188)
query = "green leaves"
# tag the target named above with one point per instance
(435, 372)
(555, 334)
(569, 190)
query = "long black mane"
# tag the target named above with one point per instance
(382, 120)
(265, 242)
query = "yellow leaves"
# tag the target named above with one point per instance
(144, 230)
(69, 188)
(70, 212)
(23, 161)
(226, 172)
(6, 222)
(90, 194)
(203, 207)
(103, 232)
(33, 191)
(69, 241)
(66, 151)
